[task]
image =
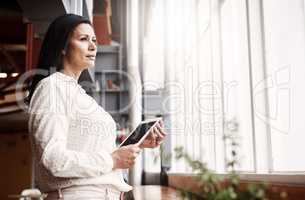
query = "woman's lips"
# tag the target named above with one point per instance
(91, 57)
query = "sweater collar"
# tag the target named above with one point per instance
(69, 79)
(66, 77)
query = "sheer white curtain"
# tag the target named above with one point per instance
(285, 49)
(178, 44)
(237, 79)
(230, 65)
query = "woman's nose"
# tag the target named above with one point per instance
(92, 46)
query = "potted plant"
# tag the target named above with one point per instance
(215, 187)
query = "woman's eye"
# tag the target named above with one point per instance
(83, 39)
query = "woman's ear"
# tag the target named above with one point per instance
(63, 52)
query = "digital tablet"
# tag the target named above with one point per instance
(138, 135)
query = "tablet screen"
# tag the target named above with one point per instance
(138, 133)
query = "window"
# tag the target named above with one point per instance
(232, 62)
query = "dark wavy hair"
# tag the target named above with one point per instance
(55, 42)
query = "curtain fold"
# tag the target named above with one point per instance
(176, 45)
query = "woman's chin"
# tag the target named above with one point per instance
(91, 64)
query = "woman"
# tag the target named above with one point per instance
(73, 138)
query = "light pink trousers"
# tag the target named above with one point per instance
(85, 192)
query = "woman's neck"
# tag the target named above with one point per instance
(73, 73)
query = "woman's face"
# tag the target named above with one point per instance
(82, 48)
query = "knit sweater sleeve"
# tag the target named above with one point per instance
(49, 126)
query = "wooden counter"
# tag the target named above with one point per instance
(155, 192)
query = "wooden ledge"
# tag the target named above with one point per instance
(293, 191)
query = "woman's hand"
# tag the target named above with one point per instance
(124, 157)
(155, 137)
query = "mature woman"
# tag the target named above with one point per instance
(73, 138)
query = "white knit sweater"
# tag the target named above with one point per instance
(72, 137)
